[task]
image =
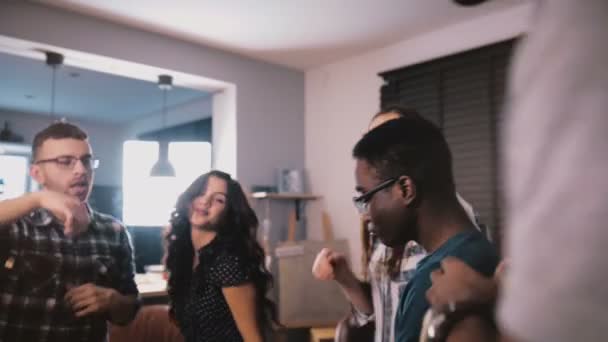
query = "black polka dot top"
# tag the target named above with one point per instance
(206, 315)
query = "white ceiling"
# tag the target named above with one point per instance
(298, 34)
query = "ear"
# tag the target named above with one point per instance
(407, 190)
(37, 173)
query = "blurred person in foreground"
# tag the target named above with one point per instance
(555, 168)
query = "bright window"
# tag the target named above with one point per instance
(148, 201)
(13, 176)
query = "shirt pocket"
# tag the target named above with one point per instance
(8, 273)
(32, 274)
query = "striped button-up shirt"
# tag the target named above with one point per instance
(387, 288)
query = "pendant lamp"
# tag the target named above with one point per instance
(163, 168)
(53, 60)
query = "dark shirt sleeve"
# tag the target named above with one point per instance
(126, 263)
(412, 307)
(229, 271)
(480, 255)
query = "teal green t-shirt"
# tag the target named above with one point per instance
(471, 247)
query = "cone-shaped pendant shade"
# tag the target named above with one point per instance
(163, 168)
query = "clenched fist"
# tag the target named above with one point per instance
(69, 210)
(331, 265)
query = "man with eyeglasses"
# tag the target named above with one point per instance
(65, 269)
(404, 174)
(388, 269)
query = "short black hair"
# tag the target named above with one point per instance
(57, 130)
(410, 146)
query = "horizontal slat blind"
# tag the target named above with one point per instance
(467, 128)
(463, 94)
(419, 90)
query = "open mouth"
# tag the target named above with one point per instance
(202, 212)
(80, 187)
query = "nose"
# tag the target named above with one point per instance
(204, 201)
(79, 167)
(207, 202)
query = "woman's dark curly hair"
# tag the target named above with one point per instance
(237, 233)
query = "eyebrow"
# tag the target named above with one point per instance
(68, 156)
(213, 193)
(72, 156)
(360, 189)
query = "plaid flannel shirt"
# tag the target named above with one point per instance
(38, 263)
(387, 288)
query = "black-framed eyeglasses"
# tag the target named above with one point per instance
(69, 162)
(362, 202)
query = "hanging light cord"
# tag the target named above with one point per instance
(53, 84)
(164, 119)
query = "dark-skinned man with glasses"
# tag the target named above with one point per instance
(389, 269)
(404, 173)
(65, 269)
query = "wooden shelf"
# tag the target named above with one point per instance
(284, 196)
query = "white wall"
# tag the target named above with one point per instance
(105, 139)
(269, 99)
(223, 128)
(342, 97)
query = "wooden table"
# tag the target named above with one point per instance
(152, 288)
